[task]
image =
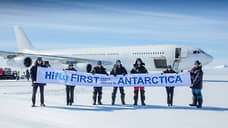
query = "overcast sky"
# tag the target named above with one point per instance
(56, 24)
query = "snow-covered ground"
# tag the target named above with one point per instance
(225, 66)
(16, 110)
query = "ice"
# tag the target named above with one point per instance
(16, 110)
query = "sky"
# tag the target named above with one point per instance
(57, 24)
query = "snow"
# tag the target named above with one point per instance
(16, 110)
(221, 66)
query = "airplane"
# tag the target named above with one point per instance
(156, 57)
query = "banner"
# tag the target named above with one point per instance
(66, 77)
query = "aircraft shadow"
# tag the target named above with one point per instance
(110, 108)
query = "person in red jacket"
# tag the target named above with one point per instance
(139, 68)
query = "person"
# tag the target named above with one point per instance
(99, 69)
(47, 64)
(27, 74)
(70, 89)
(197, 84)
(118, 69)
(38, 63)
(18, 75)
(169, 89)
(139, 68)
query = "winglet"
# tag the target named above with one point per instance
(22, 40)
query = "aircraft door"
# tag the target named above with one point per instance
(177, 53)
(180, 52)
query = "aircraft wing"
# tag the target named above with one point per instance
(61, 59)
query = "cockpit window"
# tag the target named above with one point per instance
(196, 52)
(199, 51)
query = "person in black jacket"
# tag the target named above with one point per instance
(99, 69)
(139, 68)
(27, 74)
(118, 69)
(69, 88)
(197, 84)
(38, 63)
(170, 89)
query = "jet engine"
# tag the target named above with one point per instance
(23, 62)
(84, 67)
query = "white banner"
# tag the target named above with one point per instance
(66, 77)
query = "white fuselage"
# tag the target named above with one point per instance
(163, 55)
(156, 57)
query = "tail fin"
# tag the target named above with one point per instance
(22, 41)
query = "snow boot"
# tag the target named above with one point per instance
(123, 99)
(136, 97)
(99, 100)
(194, 98)
(113, 99)
(143, 97)
(200, 101)
(42, 105)
(143, 102)
(94, 100)
(100, 103)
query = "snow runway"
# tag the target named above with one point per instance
(16, 110)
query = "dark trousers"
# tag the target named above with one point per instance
(170, 91)
(136, 92)
(34, 90)
(27, 77)
(197, 97)
(97, 91)
(114, 94)
(70, 94)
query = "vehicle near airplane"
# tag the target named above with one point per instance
(7, 74)
(156, 57)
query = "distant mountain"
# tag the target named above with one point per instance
(221, 66)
